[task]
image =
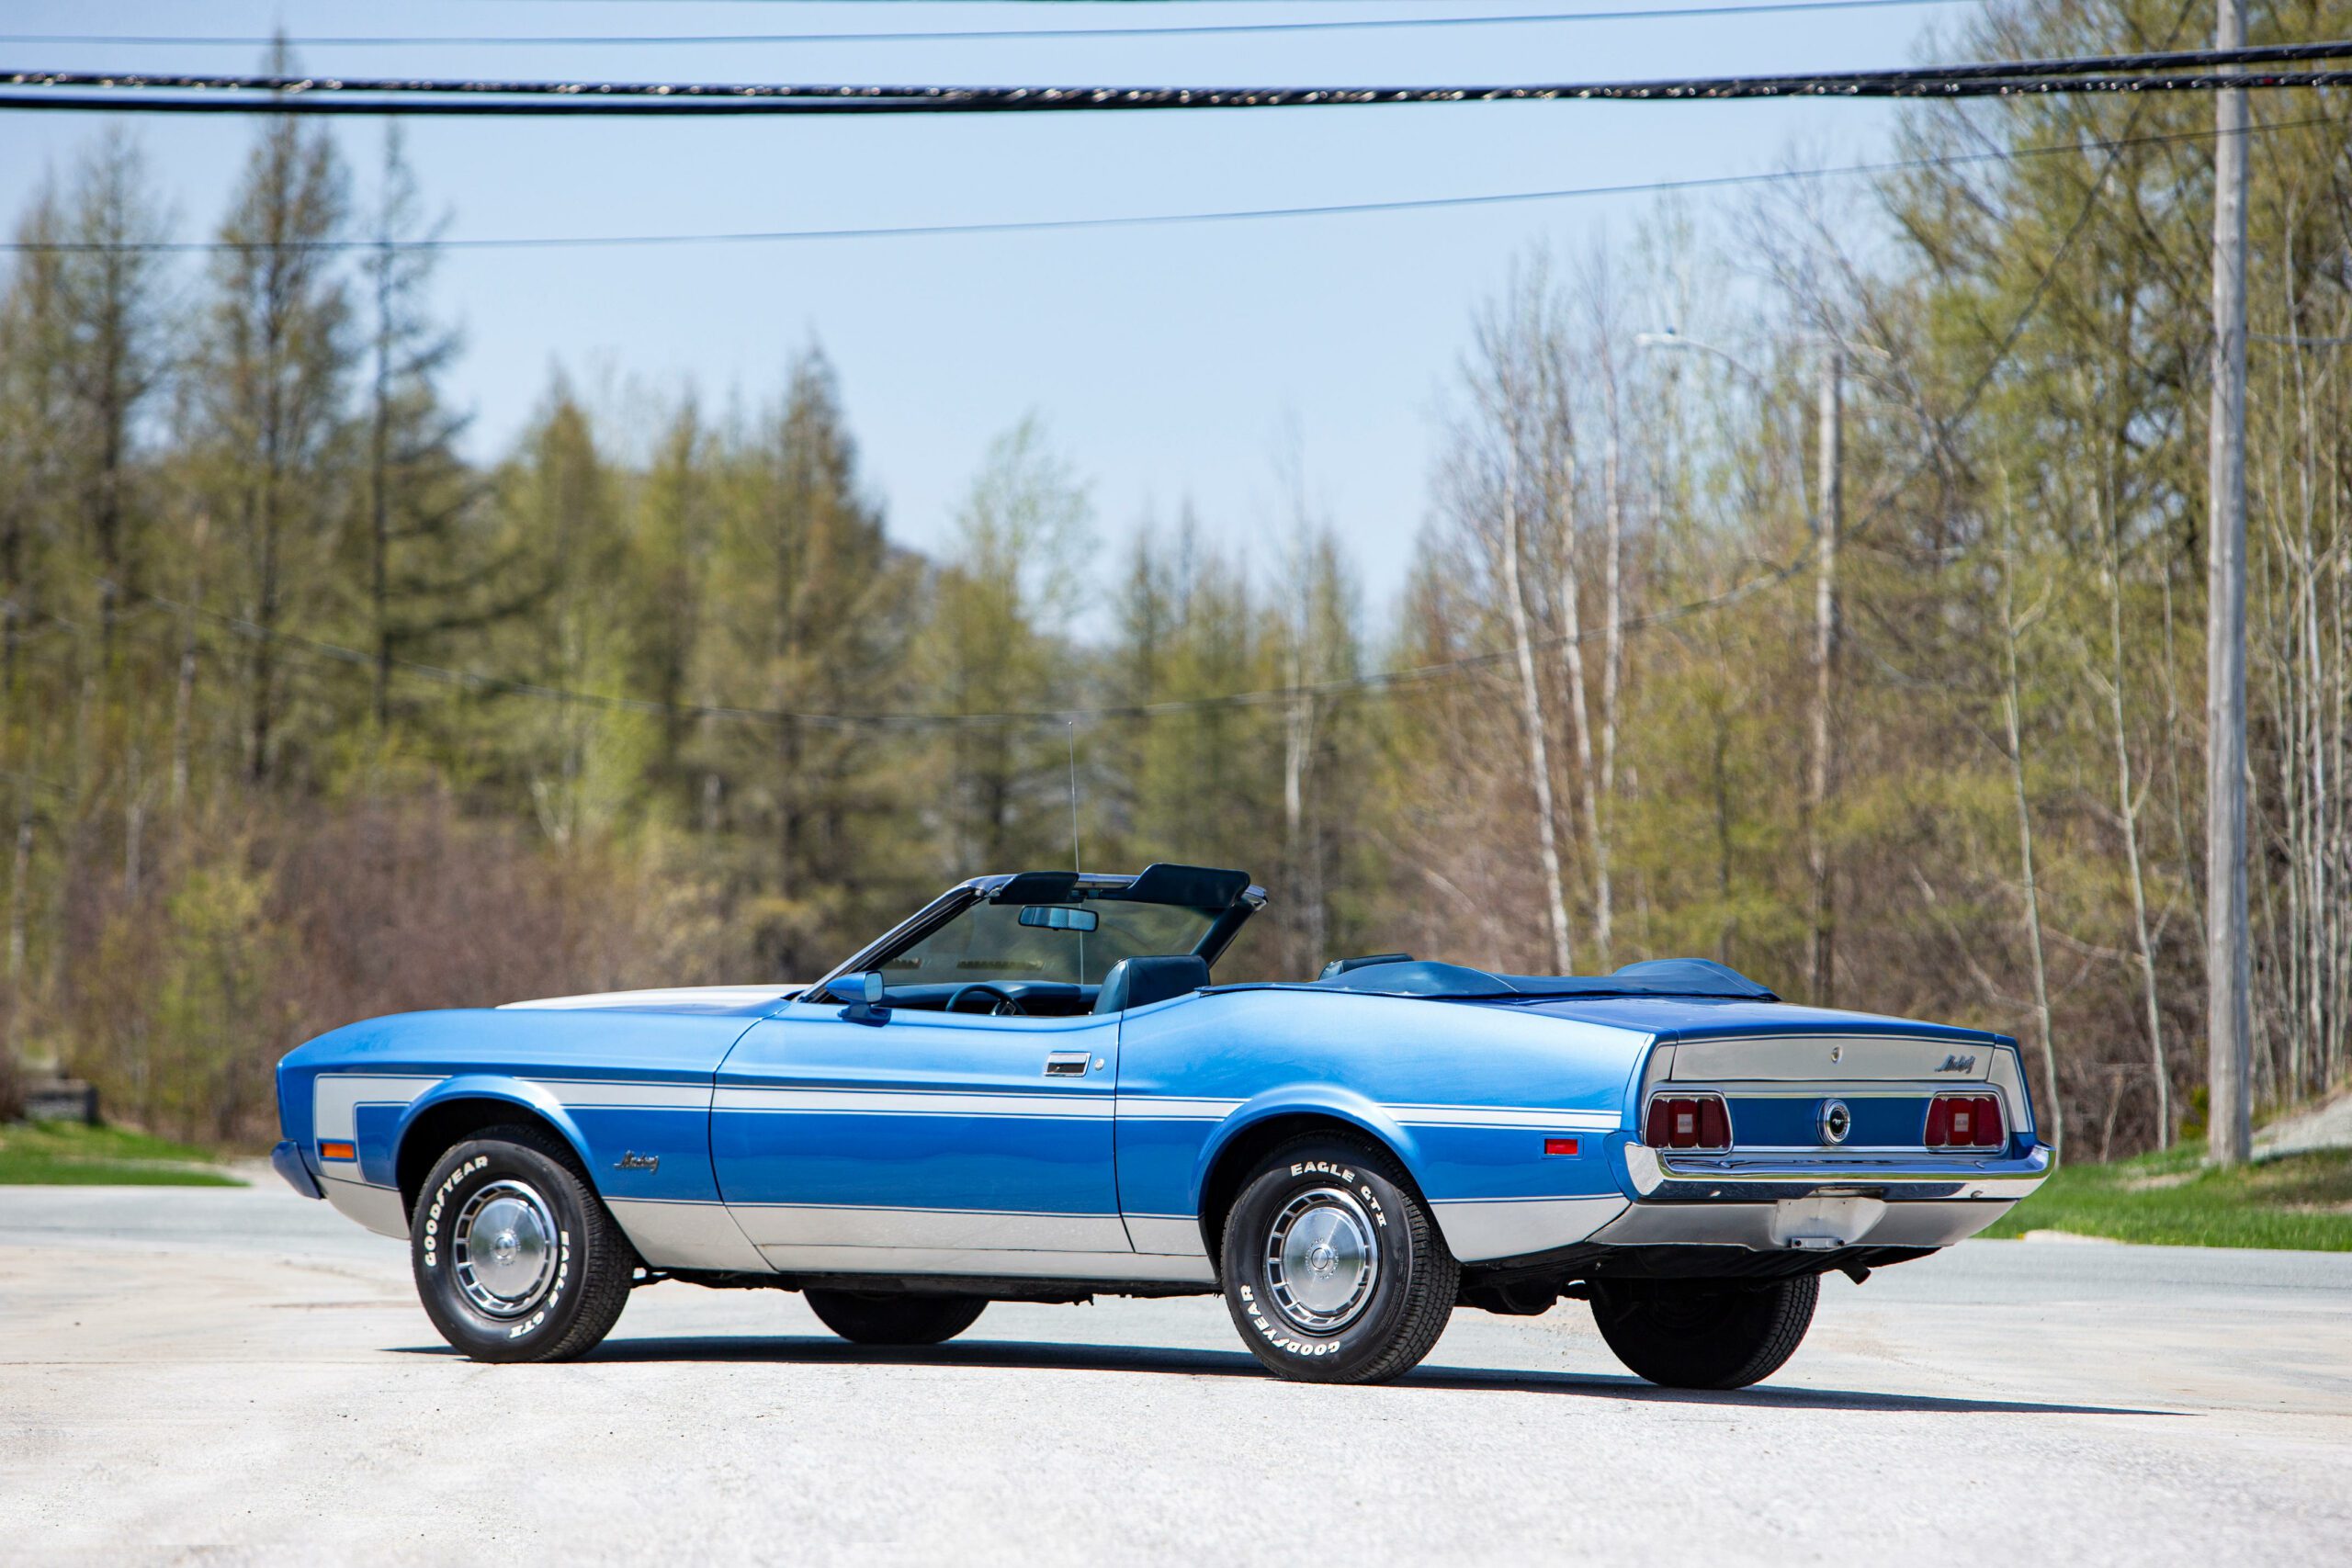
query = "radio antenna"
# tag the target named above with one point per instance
(1076, 868)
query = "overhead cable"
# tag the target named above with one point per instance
(2164, 71)
(965, 35)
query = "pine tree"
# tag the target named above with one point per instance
(272, 383)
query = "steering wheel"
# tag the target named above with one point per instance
(1006, 1005)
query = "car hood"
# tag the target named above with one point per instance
(746, 1000)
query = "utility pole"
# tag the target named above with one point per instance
(2228, 947)
(1824, 779)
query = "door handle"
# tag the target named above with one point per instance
(1068, 1064)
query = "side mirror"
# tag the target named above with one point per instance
(1059, 917)
(863, 992)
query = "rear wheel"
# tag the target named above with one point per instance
(876, 1317)
(1333, 1269)
(515, 1256)
(1705, 1333)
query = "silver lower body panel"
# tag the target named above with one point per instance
(984, 1263)
(1517, 1226)
(686, 1235)
(955, 1230)
(378, 1208)
(1802, 1224)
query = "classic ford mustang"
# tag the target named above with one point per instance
(1032, 1090)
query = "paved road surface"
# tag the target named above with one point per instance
(226, 1375)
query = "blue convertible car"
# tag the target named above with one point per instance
(1032, 1090)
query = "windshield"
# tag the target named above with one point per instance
(987, 941)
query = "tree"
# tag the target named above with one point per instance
(273, 382)
(809, 610)
(997, 643)
(422, 578)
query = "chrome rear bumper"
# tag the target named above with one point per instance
(1658, 1177)
(1827, 1202)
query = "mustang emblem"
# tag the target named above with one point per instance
(1956, 1062)
(634, 1161)
(1834, 1122)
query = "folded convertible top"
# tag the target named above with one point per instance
(1653, 977)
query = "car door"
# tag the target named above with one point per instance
(897, 1140)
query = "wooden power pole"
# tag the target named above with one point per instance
(1822, 783)
(2228, 946)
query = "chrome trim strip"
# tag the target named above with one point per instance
(1909, 1177)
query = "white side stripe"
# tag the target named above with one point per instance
(1503, 1116)
(1090, 1106)
(1168, 1108)
(336, 1098)
(576, 1094)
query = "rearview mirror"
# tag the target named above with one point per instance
(1059, 918)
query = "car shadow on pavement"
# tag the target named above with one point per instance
(1030, 1355)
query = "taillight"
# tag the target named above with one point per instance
(1965, 1122)
(1687, 1121)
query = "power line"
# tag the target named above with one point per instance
(1113, 100)
(968, 35)
(1224, 215)
(2166, 71)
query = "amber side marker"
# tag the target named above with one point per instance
(336, 1151)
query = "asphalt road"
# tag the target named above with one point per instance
(233, 1375)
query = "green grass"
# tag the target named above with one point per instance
(2300, 1200)
(51, 1154)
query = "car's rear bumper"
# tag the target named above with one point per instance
(1661, 1178)
(1769, 1203)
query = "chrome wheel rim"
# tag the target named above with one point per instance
(1321, 1261)
(502, 1249)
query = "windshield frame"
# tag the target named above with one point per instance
(978, 889)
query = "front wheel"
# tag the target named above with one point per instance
(876, 1317)
(1705, 1333)
(1333, 1269)
(515, 1256)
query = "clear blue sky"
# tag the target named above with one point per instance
(1166, 362)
